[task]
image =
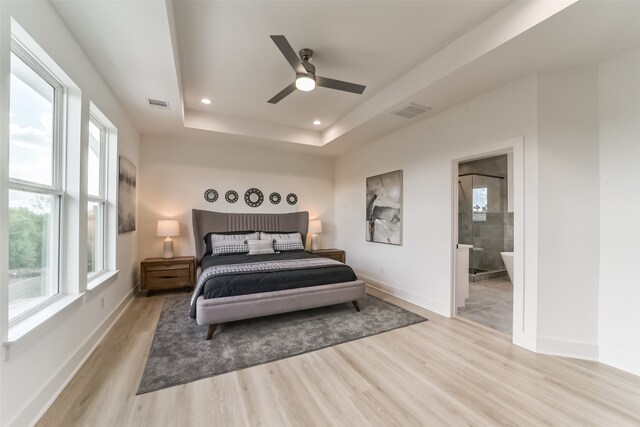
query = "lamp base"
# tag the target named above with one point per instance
(314, 242)
(167, 248)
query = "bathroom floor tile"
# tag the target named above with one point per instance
(490, 303)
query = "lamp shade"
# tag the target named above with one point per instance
(315, 226)
(168, 228)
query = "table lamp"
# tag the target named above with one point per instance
(168, 228)
(315, 227)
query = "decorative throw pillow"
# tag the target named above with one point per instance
(227, 243)
(284, 242)
(229, 247)
(257, 247)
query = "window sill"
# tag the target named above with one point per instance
(25, 327)
(102, 280)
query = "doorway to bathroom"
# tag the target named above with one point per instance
(484, 291)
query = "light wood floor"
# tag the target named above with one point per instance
(441, 372)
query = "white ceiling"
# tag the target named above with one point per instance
(129, 42)
(227, 55)
(437, 53)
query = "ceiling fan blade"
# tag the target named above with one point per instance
(289, 54)
(339, 85)
(284, 92)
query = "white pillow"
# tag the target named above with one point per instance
(257, 247)
(283, 242)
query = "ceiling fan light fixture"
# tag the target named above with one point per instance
(305, 83)
(306, 79)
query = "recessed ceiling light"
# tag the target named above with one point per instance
(205, 101)
(317, 122)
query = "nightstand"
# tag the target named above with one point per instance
(337, 254)
(167, 273)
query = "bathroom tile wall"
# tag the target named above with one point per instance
(495, 166)
(489, 236)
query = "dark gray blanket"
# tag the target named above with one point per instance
(271, 275)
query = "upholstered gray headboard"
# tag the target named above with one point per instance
(207, 221)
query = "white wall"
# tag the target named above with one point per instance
(175, 172)
(581, 128)
(568, 211)
(619, 316)
(421, 269)
(36, 367)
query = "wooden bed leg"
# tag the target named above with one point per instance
(212, 329)
(356, 305)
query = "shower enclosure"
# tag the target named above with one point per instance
(482, 217)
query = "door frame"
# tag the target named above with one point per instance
(515, 148)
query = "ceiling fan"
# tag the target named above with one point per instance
(306, 79)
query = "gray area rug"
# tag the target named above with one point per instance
(180, 354)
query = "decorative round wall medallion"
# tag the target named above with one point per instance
(253, 197)
(275, 198)
(292, 199)
(211, 195)
(231, 196)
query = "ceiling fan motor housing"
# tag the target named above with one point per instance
(306, 55)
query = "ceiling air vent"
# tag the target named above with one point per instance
(411, 110)
(155, 103)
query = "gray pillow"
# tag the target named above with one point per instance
(230, 244)
(258, 247)
(284, 242)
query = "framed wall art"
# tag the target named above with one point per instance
(126, 196)
(384, 208)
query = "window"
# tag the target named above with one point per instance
(96, 196)
(480, 205)
(35, 183)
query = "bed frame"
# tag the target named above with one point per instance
(227, 309)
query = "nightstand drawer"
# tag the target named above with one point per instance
(168, 274)
(167, 282)
(167, 267)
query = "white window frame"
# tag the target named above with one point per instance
(101, 199)
(109, 162)
(57, 188)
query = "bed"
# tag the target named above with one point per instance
(248, 286)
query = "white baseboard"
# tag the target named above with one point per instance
(426, 303)
(49, 392)
(525, 341)
(577, 350)
(620, 360)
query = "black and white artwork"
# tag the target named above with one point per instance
(384, 208)
(126, 196)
